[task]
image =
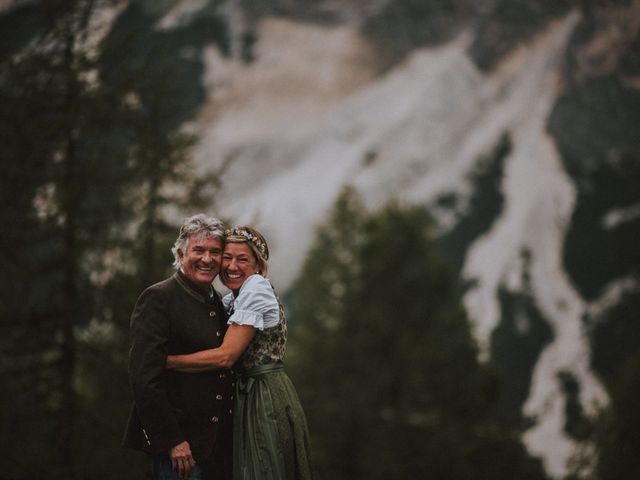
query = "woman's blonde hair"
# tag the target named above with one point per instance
(256, 242)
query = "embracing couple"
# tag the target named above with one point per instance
(210, 397)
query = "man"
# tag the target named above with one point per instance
(182, 419)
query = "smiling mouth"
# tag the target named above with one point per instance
(233, 276)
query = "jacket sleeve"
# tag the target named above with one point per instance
(150, 328)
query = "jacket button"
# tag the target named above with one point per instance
(218, 397)
(212, 313)
(218, 333)
(215, 419)
(223, 375)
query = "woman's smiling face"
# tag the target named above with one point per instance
(238, 263)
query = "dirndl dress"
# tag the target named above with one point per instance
(271, 440)
(270, 433)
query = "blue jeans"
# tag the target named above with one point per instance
(161, 469)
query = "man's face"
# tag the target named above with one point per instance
(201, 262)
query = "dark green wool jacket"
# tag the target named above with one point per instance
(175, 317)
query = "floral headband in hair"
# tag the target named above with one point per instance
(243, 235)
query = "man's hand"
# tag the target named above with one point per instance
(181, 459)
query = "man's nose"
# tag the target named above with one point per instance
(207, 257)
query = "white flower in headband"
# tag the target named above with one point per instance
(242, 234)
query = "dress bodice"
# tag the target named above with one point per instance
(258, 305)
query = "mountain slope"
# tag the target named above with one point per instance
(297, 128)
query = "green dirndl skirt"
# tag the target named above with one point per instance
(270, 435)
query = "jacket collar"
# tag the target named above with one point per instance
(192, 289)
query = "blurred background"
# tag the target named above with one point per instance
(450, 190)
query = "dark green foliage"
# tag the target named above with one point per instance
(384, 359)
(91, 156)
(595, 127)
(165, 81)
(51, 118)
(619, 435)
(593, 118)
(577, 424)
(161, 88)
(17, 28)
(102, 384)
(516, 344)
(596, 252)
(630, 62)
(615, 339)
(484, 207)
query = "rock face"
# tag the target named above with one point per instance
(496, 149)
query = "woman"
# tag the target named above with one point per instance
(271, 440)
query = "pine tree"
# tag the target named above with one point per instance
(93, 169)
(51, 122)
(384, 358)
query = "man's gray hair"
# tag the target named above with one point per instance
(199, 225)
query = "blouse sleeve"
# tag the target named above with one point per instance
(256, 304)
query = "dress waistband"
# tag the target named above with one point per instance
(247, 379)
(262, 369)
